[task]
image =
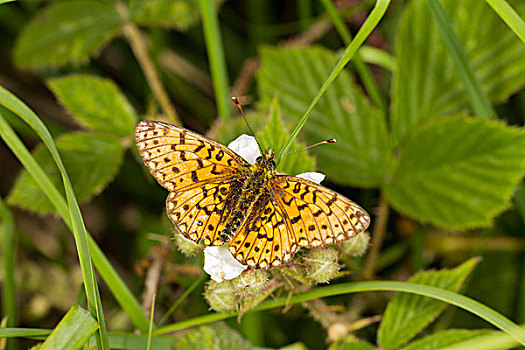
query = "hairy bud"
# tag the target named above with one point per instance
(355, 246)
(321, 264)
(187, 247)
(221, 296)
(250, 282)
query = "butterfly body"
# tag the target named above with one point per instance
(216, 197)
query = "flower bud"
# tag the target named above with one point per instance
(185, 246)
(321, 264)
(221, 296)
(250, 282)
(355, 246)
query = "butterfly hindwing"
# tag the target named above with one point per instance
(263, 240)
(201, 213)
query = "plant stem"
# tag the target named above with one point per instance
(447, 296)
(378, 234)
(212, 36)
(137, 42)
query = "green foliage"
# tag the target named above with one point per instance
(214, 337)
(227, 130)
(458, 172)
(178, 14)
(426, 83)
(274, 135)
(362, 153)
(96, 103)
(407, 314)
(456, 338)
(92, 160)
(356, 345)
(66, 32)
(451, 171)
(72, 332)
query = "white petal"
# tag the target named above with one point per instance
(220, 264)
(246, 147)
(313, 176)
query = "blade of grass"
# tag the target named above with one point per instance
(212, 35)
(10, 138)
(362, 69)
(367, 27)
(378, 57)
(152, 313)
(9, 302)
(124, 297)
(478, 99)
(69, 211)
(456, 299)
(507, 14)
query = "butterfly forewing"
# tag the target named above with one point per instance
(318, 215)
(179, 158)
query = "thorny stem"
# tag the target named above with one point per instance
(378, 234)
(138, 44)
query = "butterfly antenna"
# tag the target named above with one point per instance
(236, 101)
(307, 147)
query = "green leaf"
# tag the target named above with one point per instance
(459, 338)
(356, 345)
(226, 130)
(91, 160)
(275, 134)
(96, 103)
(407, 314)
(177, 14)
(426, 82)
(457, 172)
(216, 336)
(362, 153)
(73, 330)
(66, 32)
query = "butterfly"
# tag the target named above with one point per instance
(216, 197)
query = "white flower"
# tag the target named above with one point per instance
(313, 176)
(219, 263)
(246, 147)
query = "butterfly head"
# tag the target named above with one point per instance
(266, 160)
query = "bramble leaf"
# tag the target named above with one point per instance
(459, 338)
(274, 135)
(361, 155)
(91, 160)
(216, 336)
(407, 314)
(96, 103)
(457, 172)
(426, 83)
(66, 32)
(177, 14)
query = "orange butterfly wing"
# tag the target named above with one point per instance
(204, 177)
(295, 213)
